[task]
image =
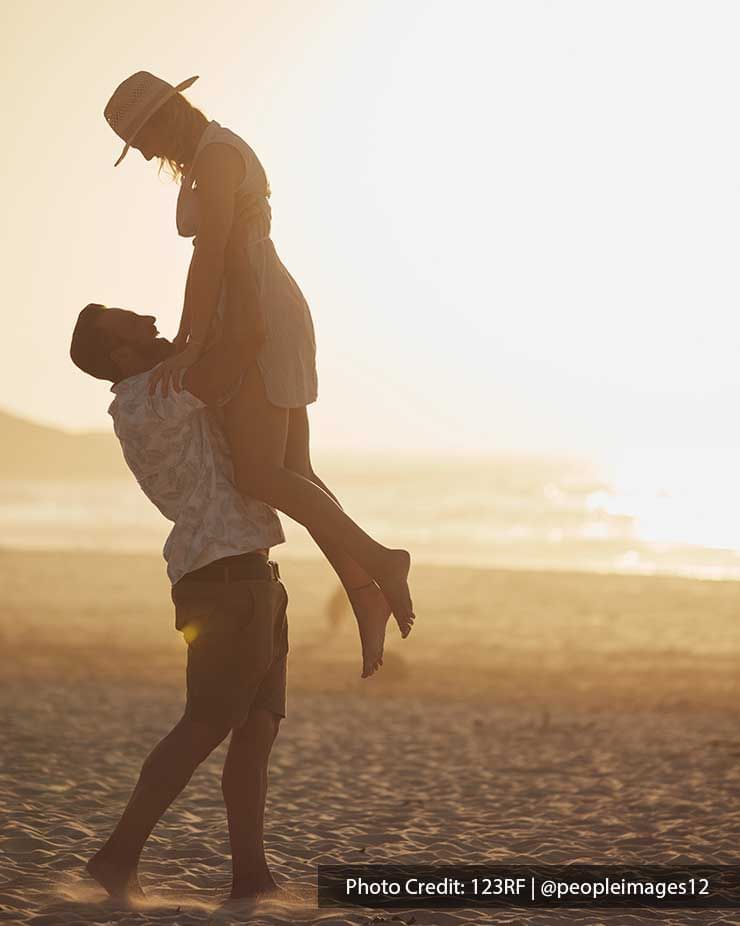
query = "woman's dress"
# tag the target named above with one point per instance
(287, 359)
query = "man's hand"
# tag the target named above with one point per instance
(171, 371)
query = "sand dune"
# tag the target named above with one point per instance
(535, 717)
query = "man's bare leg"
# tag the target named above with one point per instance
(244, 785)
(164, 774)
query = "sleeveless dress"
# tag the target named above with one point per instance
(287, 358)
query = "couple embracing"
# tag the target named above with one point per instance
(214, 427)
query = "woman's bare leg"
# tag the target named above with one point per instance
(257, 433)
(368, 602)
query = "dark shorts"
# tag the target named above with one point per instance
(237, 636)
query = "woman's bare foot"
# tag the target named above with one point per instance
(393, 582)
(119, 878)
(372, 612)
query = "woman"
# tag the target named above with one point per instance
(223, 201)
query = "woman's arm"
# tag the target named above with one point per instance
(219, 171)
(217, 175)
(183, 332)
(218, 372)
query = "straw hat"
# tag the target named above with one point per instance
(135, 101)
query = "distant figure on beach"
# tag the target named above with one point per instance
(230, 603)
(224, 196)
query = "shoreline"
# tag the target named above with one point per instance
(425, 562)
(543, 641)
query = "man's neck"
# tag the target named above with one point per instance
(164, 349)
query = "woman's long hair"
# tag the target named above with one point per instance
(182, 125)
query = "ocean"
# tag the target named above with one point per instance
(672, 512)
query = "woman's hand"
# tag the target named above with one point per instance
(181, 339)
(172, 370)
(183, 332)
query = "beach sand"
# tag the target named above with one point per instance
(551, 717)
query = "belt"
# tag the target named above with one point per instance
(249, 566)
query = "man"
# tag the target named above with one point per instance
(229, 602)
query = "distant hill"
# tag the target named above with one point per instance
(34, 451)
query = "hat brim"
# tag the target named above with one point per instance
(122, 154)
(159, 104)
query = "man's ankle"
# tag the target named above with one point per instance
(247, 871)
(254, 884)
(110, 852)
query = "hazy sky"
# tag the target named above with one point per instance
(517, 223)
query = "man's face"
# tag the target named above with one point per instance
(136, 337)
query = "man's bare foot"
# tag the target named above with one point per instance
(262, 885)
(372, 612)
(120, 879)
(393, 582)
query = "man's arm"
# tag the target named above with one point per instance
(218, 371)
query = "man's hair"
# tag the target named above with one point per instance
(91, 345)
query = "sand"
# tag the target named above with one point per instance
(530, 717)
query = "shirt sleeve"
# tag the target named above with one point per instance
(152, 429)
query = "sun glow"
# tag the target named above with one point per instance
(515, 222)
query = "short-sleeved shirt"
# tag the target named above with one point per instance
(176, 449)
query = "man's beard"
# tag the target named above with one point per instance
(161, 349)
